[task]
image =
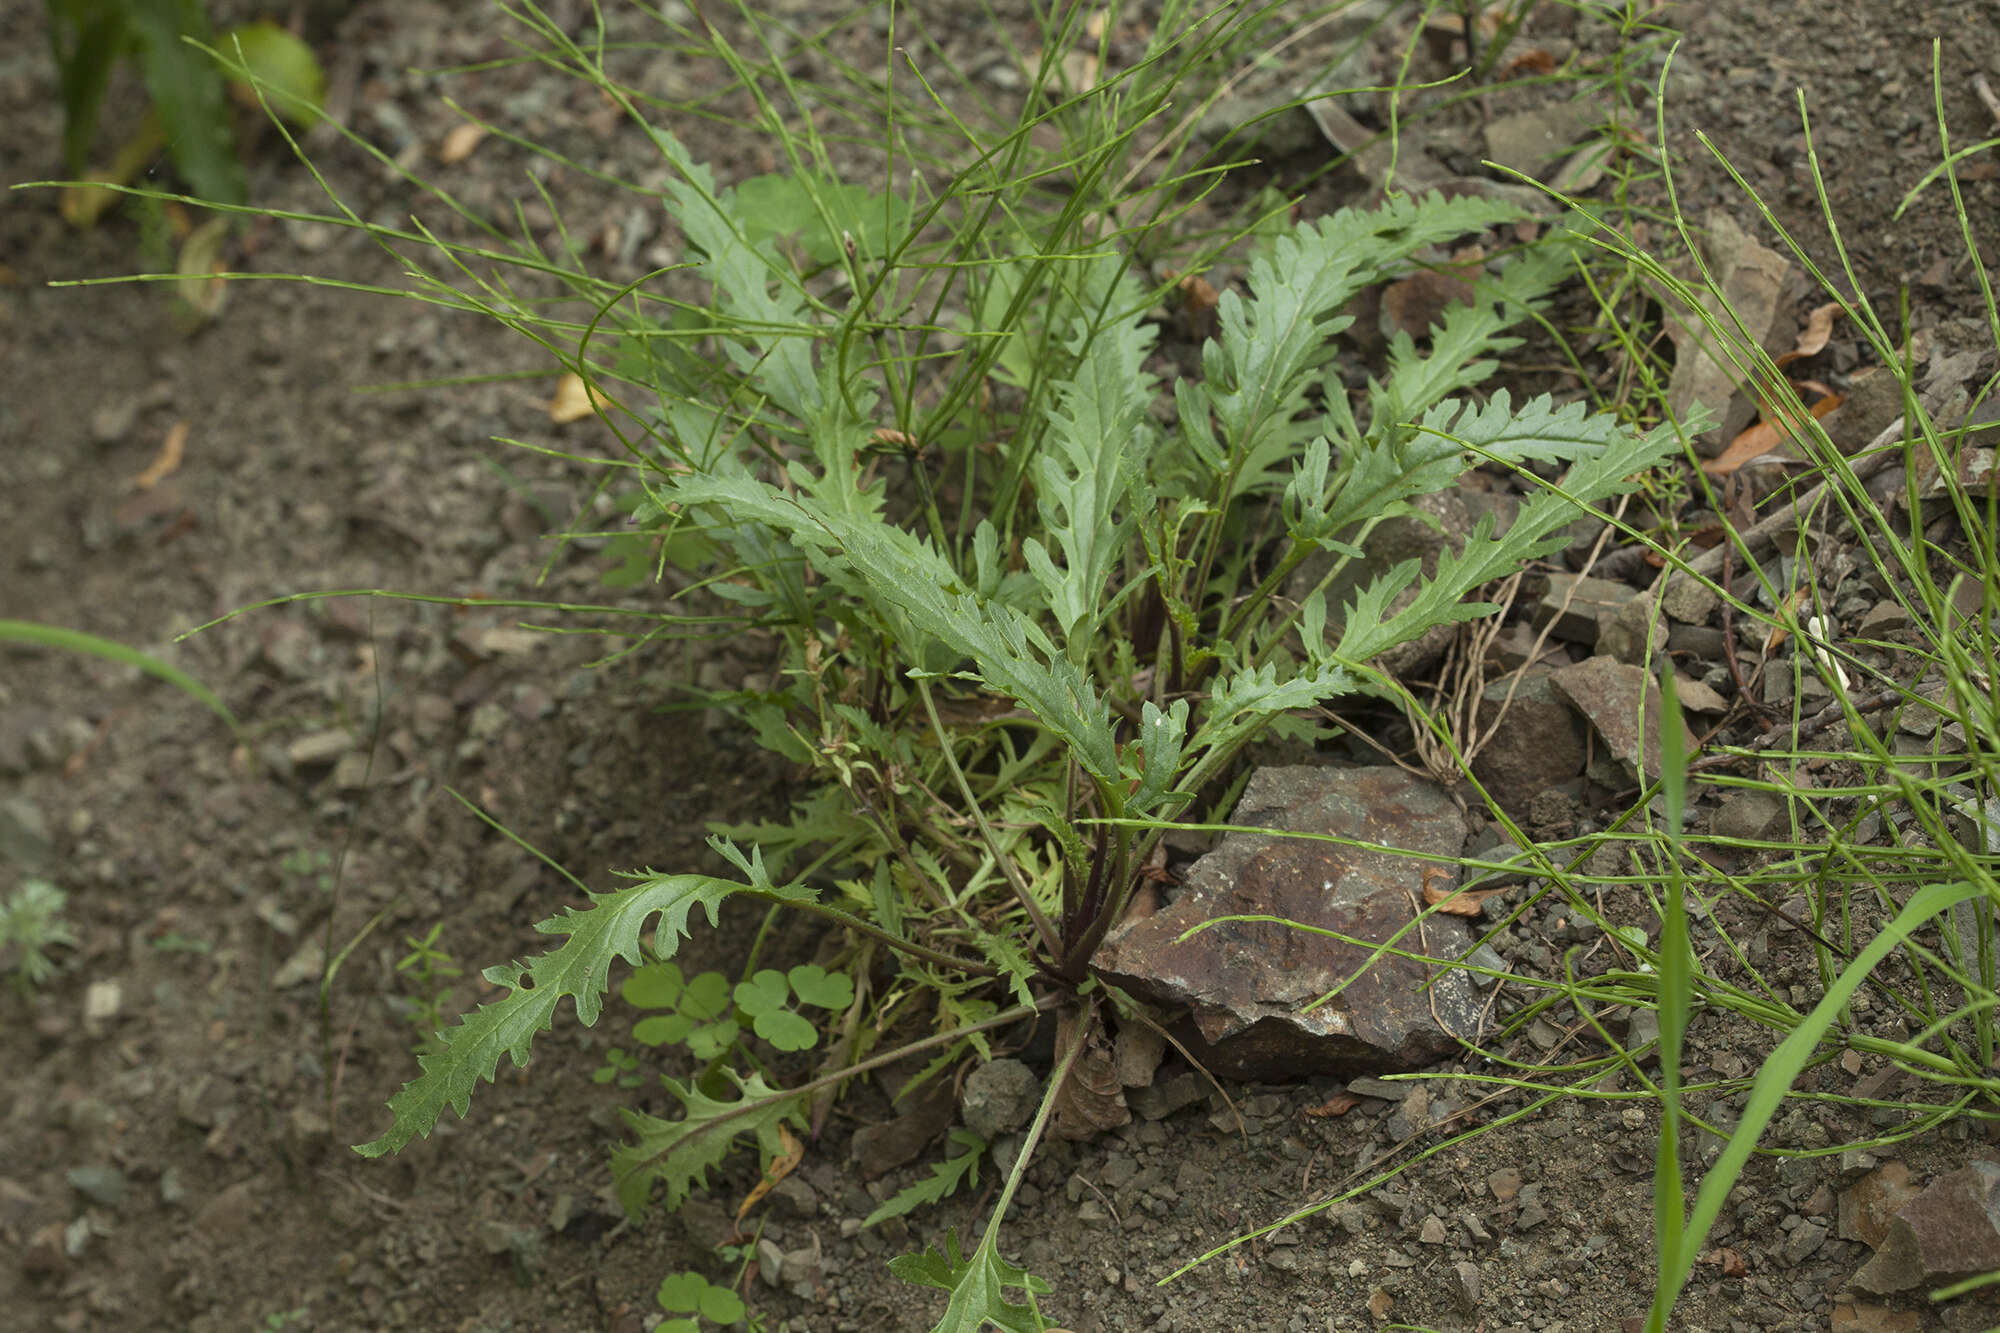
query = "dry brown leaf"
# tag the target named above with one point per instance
(1730, 1262)
(200, 260)
(1532, 61)
(1416, 304)
(164, 462)
(1337, 1105)
(1779, 634)
(896, 438)
(459, 141)
(1457, 902)
(1764, 437)
(1198, 295)
(1818, 331)
(781, 1166)
(574, 400)
(1091, 1100)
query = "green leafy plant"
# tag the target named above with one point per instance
(1091, 585)
(947, 1177)
(429, 972)
(189, 90)
(1033, 605)
(30, 925)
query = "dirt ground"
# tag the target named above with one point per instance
(177, 1105)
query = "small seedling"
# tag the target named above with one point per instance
(430, 971)
(30, 925)
(307, 864)
(619, 1065)
(689, 1299)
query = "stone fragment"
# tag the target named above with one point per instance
(1865, 1317)
(1539, 141)
(103, 1185)
(1951, 1230)
(999, 1097)
(24, 835)
(288, 649)
(1874, 399)
(1697, 697)
(319, 749)
(1610, 694)
(17, 1205)
(1752, 815)
(1164, 1096)
(1539, 743)
(229, 1214)
(1248, 984)
(1578, 604)
(307, 962)
(1633, 633)
(922, 1113)
(1688, 601)
(1882, 619)
(509, 641)
(1804, 1239)
(1465, 1285)
(1521, 642)
(101, 1002)
(770, 1262)
(1752, 279)
(111, 421)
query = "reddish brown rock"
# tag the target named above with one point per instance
(1247, 983)
(1951, 1230)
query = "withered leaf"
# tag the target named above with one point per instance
(1091, 1100)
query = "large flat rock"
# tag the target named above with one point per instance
(1246, 984)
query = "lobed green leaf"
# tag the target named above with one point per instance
(609, 928)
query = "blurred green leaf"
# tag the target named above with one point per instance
(285, 69)
(187, 91)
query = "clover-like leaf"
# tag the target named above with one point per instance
(722, 1306)
(786, 1030)
(663, 1029)
(707, 996)
(691, 1293)
(680, 1293)
(712, 1039)
(816, 986)
(654, 986)
(762, 993)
